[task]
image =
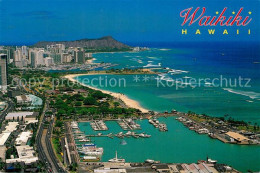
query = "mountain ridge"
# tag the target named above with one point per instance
(103, 42)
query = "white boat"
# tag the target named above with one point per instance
(84, 140)
(93, 153)
(149, 161)
(116, 160)
(90, 158)
(128, 133)
(142, 135)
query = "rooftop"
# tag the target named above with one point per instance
(12, 126)
(18, 114)
(4, 137)
(26, 155)
(237, 136)
(23, 138)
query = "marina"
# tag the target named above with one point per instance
(175, 142)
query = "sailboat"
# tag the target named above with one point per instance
(116, 160)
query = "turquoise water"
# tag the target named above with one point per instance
(200, 61)
(181, 144)
(177, 145)
(208, 100)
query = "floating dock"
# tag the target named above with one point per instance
(98, 125)
(161, 126)
(129, 124)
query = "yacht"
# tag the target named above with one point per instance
(116, 160)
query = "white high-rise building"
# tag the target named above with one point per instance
(18, 58)
(3, 71)
(48, 61)
(39, 58)
(25, 51)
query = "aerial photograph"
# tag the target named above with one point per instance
(130, 86)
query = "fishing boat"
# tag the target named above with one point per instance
(116, 160)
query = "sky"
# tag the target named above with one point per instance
(29, 21)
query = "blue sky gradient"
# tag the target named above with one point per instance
(29, 21)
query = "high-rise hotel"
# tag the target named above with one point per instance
(3, 71)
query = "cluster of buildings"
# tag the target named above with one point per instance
(46, 57)
(201, 166)
(222, 131)
(16, 133)
(27, 57)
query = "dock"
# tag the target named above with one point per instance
(128, 124)
(121, 135)
(161, 126)
(98, 125)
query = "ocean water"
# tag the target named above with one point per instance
(178, 145)
(194, 61)
(217, 62)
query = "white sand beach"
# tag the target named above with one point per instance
(90, 61)
(129, 102)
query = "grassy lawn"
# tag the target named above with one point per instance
(56, 145)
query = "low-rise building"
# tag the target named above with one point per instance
(23, 100)
(2, 153)
(23, 138)
(11, 126)
(18, 116)
(26, 155)
(2, 105)
(4, 137)
(237, 137)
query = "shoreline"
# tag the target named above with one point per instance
(128, 102)
(90, 61)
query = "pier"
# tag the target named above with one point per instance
(129, 124)
(161, 126)
(98, 125)
(121, 135)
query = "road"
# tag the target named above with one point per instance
(44, 144)
(9, 108)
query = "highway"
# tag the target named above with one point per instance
(49, 157)
(9, 108)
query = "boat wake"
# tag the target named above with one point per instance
(164, 49)
(250, 94)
